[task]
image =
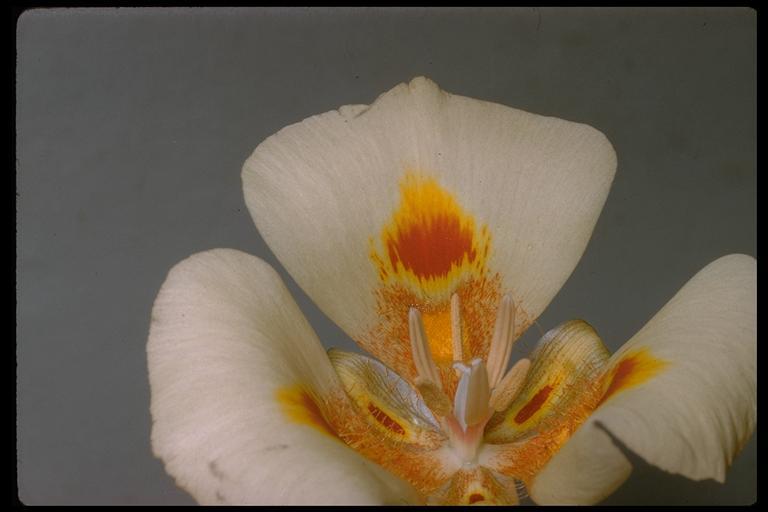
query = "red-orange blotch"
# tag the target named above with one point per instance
(630, 371)
(533, 405)
(385, 420)
(430, 240)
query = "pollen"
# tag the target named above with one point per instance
(437, 327)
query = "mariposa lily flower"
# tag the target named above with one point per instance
(434, 229)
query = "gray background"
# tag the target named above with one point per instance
(133, 125)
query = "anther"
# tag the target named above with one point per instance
(422, 357)
(501, 343)
(510, 386)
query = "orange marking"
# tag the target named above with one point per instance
(430, 234)
(631, 371)
(533, 405)
(474, 498)
(430, 242)
(299, 407)
(431, 248)
(385, 420)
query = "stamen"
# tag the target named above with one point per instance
(510, 386)
(422, 357)
(458, 354)
(437, 401)
(470, 405)
(501, 343)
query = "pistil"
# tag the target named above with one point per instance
(470, 405)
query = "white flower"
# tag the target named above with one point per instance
(434, 229)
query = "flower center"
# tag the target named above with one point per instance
(483, 387)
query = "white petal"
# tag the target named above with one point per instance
(322, 190)
(690, 407)
(226, 340)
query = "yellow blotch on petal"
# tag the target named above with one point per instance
(631, 370)
(299, 407)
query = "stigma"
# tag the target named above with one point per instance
(484, 385)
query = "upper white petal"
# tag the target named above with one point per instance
(695, 413)
(322, 189)
(225, 338)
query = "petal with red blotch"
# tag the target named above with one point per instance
(422, 194)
